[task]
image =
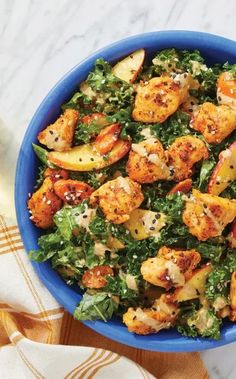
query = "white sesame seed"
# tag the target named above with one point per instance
(49, 202)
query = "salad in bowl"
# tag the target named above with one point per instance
(136, 193)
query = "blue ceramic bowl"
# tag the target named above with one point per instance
(215, 50)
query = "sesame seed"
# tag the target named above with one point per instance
(49, 202)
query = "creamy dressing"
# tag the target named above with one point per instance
(100, 249)
(131, 282)
(146, 133)
(85, 218)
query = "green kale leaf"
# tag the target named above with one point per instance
(99, 306)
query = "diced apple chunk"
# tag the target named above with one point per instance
(143, 223)
(128, 68)
(87, 158)
(224, 172)
(195, 286)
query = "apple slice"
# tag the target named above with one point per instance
(224, 172)
(184, 186)
(87, 158)
(143, 223)
(129, 68)
(195, 286)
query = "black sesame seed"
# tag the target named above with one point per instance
(217, 183)
(136, 231)
(204, 206)
(231, 166)
(157, 216)
(50, 131)
(219, 98)
(192, 102)
(92, 159)
(185, 75)
(80, 159)
(85, 216)
(56, 139)
(154, 221)
(191, 110)
(152, 228)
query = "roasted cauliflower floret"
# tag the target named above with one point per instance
(233, 297)
(43, 204)
(183, 153)
(215, 123)
(206, 215)
(59, 136)
(170, 268)
(156, 100)
(226, 89)
(147, 162)
(162, 272)
(118, 198)
(186, 260)
(96, 276)
(162, 315)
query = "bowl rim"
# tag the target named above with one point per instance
(131, 43)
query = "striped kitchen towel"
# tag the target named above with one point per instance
(32, 324)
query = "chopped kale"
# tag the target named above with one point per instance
(98, 306)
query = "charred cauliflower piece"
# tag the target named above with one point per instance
(156, 100)
(118, 198)
(59, 136)
(186, 260)
(206, 215)
(170, 268)
(43, 204)
(183, 153)
(96, 276)
(215, 123)
(162, 315)
(147, 162)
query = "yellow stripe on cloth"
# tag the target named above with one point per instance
(26, 311)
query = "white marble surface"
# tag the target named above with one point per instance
(41, 40)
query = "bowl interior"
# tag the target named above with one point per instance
(215, 50)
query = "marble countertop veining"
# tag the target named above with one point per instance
(42, 40)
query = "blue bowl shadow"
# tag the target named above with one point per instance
(215, 49)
